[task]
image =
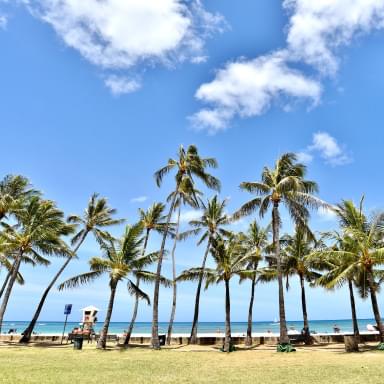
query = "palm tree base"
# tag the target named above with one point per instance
(232, 348)
(285, 347)
(380, 347)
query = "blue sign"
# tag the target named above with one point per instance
(67, 309)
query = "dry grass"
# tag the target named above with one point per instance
(61, 364)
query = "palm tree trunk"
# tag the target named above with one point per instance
(248, 340)
(101, 344)
(353, 310)
(8, 290)
(155, 318)
(5, 283)
(307, 336)
(174, 283)
(375, 305)
(193, 339)
(136, 306)
(227, 340)
(31, 326)
(276, 242)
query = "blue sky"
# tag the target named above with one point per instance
(86, 110)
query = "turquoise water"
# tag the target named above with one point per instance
(320, 326)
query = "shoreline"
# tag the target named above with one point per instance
(209, 335)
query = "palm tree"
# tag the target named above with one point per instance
(97, 216)
(5, 262)
(255, 242)
(284, 184)
(118, 261)
(186, 195)
(151, 220)
(230, 257)
(362, 252)
(188, 164)
(334, 271)
(39, 230)
(14, 189)
(297, 248)
(210, 223)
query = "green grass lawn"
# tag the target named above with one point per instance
(55, 364)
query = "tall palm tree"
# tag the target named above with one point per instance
(40, 227)
(97, 216)
(14, 189)
(230, 257)
(297, 248)
(118, 261)
(209, 225)
(255, 243)
(188, 164)
(152, 220)
(186, 195)
(284, 184)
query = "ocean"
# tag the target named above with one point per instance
(319, 326)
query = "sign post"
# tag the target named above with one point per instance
(67, 311)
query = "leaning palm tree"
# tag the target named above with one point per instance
(188, 164)
(255, 243)
(118, 261)
(14, 189)
(186, 195)
(284, 184)
(230, 257)
(7, 264)
(297, 248)
(208, 226)
(97, 216)
(40, 227)
(8, 261)
(152, 219)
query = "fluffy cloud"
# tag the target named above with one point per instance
(318, 28)
(316, 31)
(120, 85)
(115, 34)
(328, 148)
(248, 88)
(139, 199)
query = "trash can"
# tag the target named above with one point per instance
(78, 342)
(162, 339)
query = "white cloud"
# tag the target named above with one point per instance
(328, 148)
(122, 34)
(249, 88)
(316, 32)
(318, 28)
(187, 215)
(121, 85)
(139, 199)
